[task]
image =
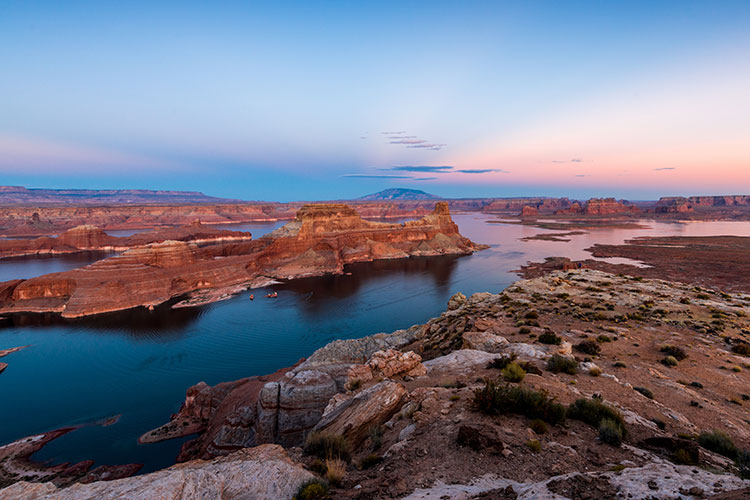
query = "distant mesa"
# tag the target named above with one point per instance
(18, 195)
(400, 194)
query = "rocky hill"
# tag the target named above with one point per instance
(400, 194)
(574, 385)
(320, 240)
(18, 195)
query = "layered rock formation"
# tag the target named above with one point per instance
(320, 240)
(87, 237)
(262, 473)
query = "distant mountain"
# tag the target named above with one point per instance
(400, 194)
(18, 195)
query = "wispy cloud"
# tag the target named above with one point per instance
(408, 141)
(423, 168)
(481, 170)
(400, 132)
(433, 147)
(581, 175)
(572, 160)
(377, 176)
(424, 178)
(664, 168)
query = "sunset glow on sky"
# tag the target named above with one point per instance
(294, 100)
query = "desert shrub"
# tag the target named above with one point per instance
(529, 367)
(538, 426)
(697, 385)
(742, 349)
(454, 397)
(513, 373)
(610, 432)
(703, 296)
(325, 446)
(499, 399)
(558, 363)
(718, 442)
(318, 467)
(524, 329)
(743, 464)
(550, 338)
(603, 338)
(661, 424)
(672, 350)
(531, 315)
(590, 347)
(595, 371)
(501, 362)
(593, 411)
(683, 457)
(370, 461)
(335, 471)
(375, 433)
(453, 384)
(620, 364)
(684, 300)
(534, 445)
(312, 490)
(646, 392)
(669, 361)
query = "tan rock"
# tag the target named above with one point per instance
(387, 364)
(262, 473)
(485, 341)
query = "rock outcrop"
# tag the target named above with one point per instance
(262, 473)
(608, 206)
(87, 237)
(322, 239)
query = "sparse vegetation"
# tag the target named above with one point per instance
(646, 392)
(524, 329)
(741, 349)
(593, 411)
(500, 399)
(595, 371)
(312, 490)
(564, 364)
(684, 457)
(620, 364)
(610, 432)
(501, 362)
(534, 445)
(550, 338)
(669, 361)
(370, 461)
(327, 446)
(538, 426)
(672, 350)
(513, 373)
(335, 471)
(718, 442)
(590, 347)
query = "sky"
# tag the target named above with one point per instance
(332, 100)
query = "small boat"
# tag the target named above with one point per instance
(252, 297)
(272, 295)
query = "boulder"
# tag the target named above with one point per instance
(485, 341)
(456, 301)
(353, 416)
(387, 364)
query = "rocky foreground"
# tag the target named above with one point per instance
(320, 240)
(573, 385)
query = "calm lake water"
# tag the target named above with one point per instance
(139, 364)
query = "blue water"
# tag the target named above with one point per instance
(139, 364)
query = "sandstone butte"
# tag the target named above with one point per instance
(87, 237)
(320, 240)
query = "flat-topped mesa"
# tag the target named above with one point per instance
(608, 206)
(320, 240)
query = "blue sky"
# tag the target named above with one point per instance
(314, 100)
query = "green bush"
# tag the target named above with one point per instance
(558, 363)
(720, 443)
(318, 467)
(538, 426)
(550, 338)
(603, 338)
(513, 373)
(313, 490)
(534, 445)
(672, 350)
(742, 349)
(529, 367)
(500, 399)
(743, 464)
(683, 457)
(524, 329)
(610, 432)
(669, 361)
(531, 315)
(325, 446)
(501, 362)
(593, 411)
(646, 392)
(590, 347)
